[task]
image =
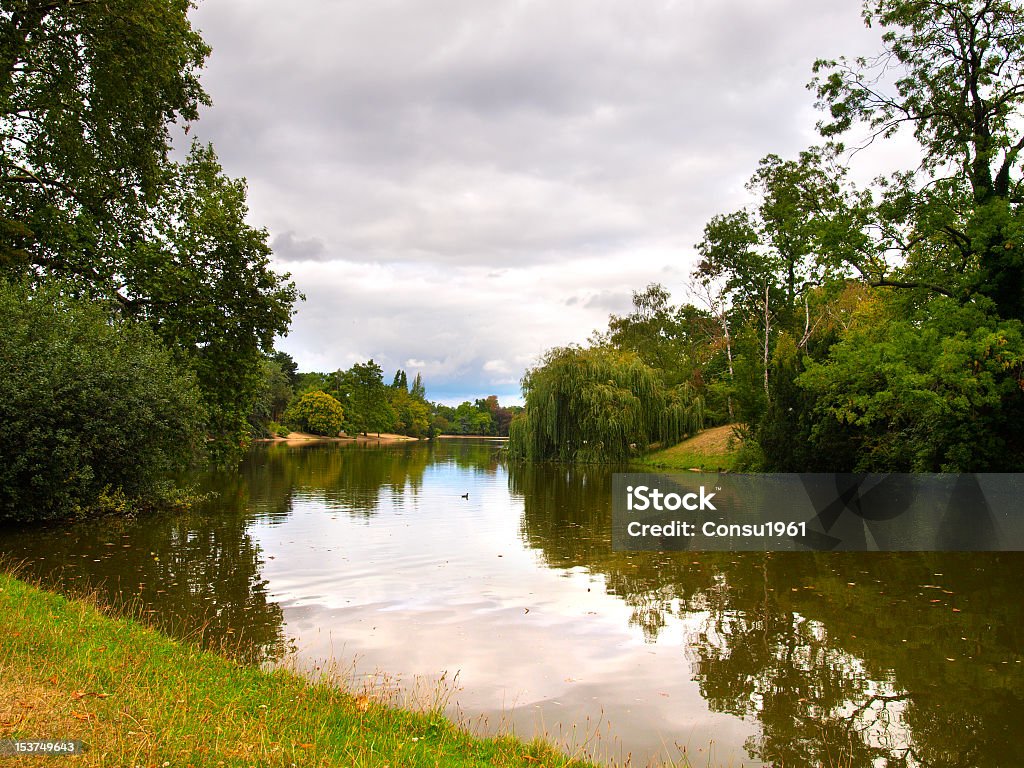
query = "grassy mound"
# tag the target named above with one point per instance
(715, 449)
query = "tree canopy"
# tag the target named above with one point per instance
(316, 412)
(89, 194)
(958, 84)
(87, 94)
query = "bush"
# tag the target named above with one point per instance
(278, 430)
(316, 412)
(94, 409)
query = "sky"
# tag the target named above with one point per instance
(457, 186)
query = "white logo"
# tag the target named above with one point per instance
(641, 498)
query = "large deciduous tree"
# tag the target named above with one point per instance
(316, 412)
(88, 193)
(362, 391)
(956, 70)
(88, 91)
(201, 275)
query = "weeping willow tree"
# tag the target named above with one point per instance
(598, 405)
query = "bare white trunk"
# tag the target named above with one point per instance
(728, 354)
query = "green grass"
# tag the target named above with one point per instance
(136, 697)
(715, 449)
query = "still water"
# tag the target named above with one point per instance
(511, 607)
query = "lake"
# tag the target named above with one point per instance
(510, 608)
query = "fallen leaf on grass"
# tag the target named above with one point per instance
(85, 716)
(78, 695)
(362, 703)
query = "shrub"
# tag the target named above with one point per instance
(316, 412)
(95, 410)
(280, 430)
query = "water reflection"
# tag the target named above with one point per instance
(843, 659)
(353, 478)
(192, 575)
(783, 659)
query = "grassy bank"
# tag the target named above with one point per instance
(136, 697)
(714, 449)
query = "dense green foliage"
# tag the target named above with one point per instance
(371, 406)
(202, 278)
(316, 412)
(484, 416)
(275, 392)
(87, 93)
(934, 392)
(848, 328)
(89, 195)
(96, 412)
(597, 405)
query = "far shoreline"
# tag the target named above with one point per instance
(470, 437)
(383, 437)
(304, 437)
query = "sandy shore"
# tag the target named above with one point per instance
(470, 437)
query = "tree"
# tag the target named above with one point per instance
(275, 394)
(201, 276)
(658, 332)
(288, 366)
(747, 275)
(365, 397)
(418, 391)
(316, 412)
(96, 412)
(87, 92)
(464, 421)
(412, 416)
(598, 405)
(935, 392)
(959, 87)
(88, 194)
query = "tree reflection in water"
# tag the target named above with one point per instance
(852, 660)
(198, 574)
(191, 575)
(844, 659)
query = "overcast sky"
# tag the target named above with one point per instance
(457, 186)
